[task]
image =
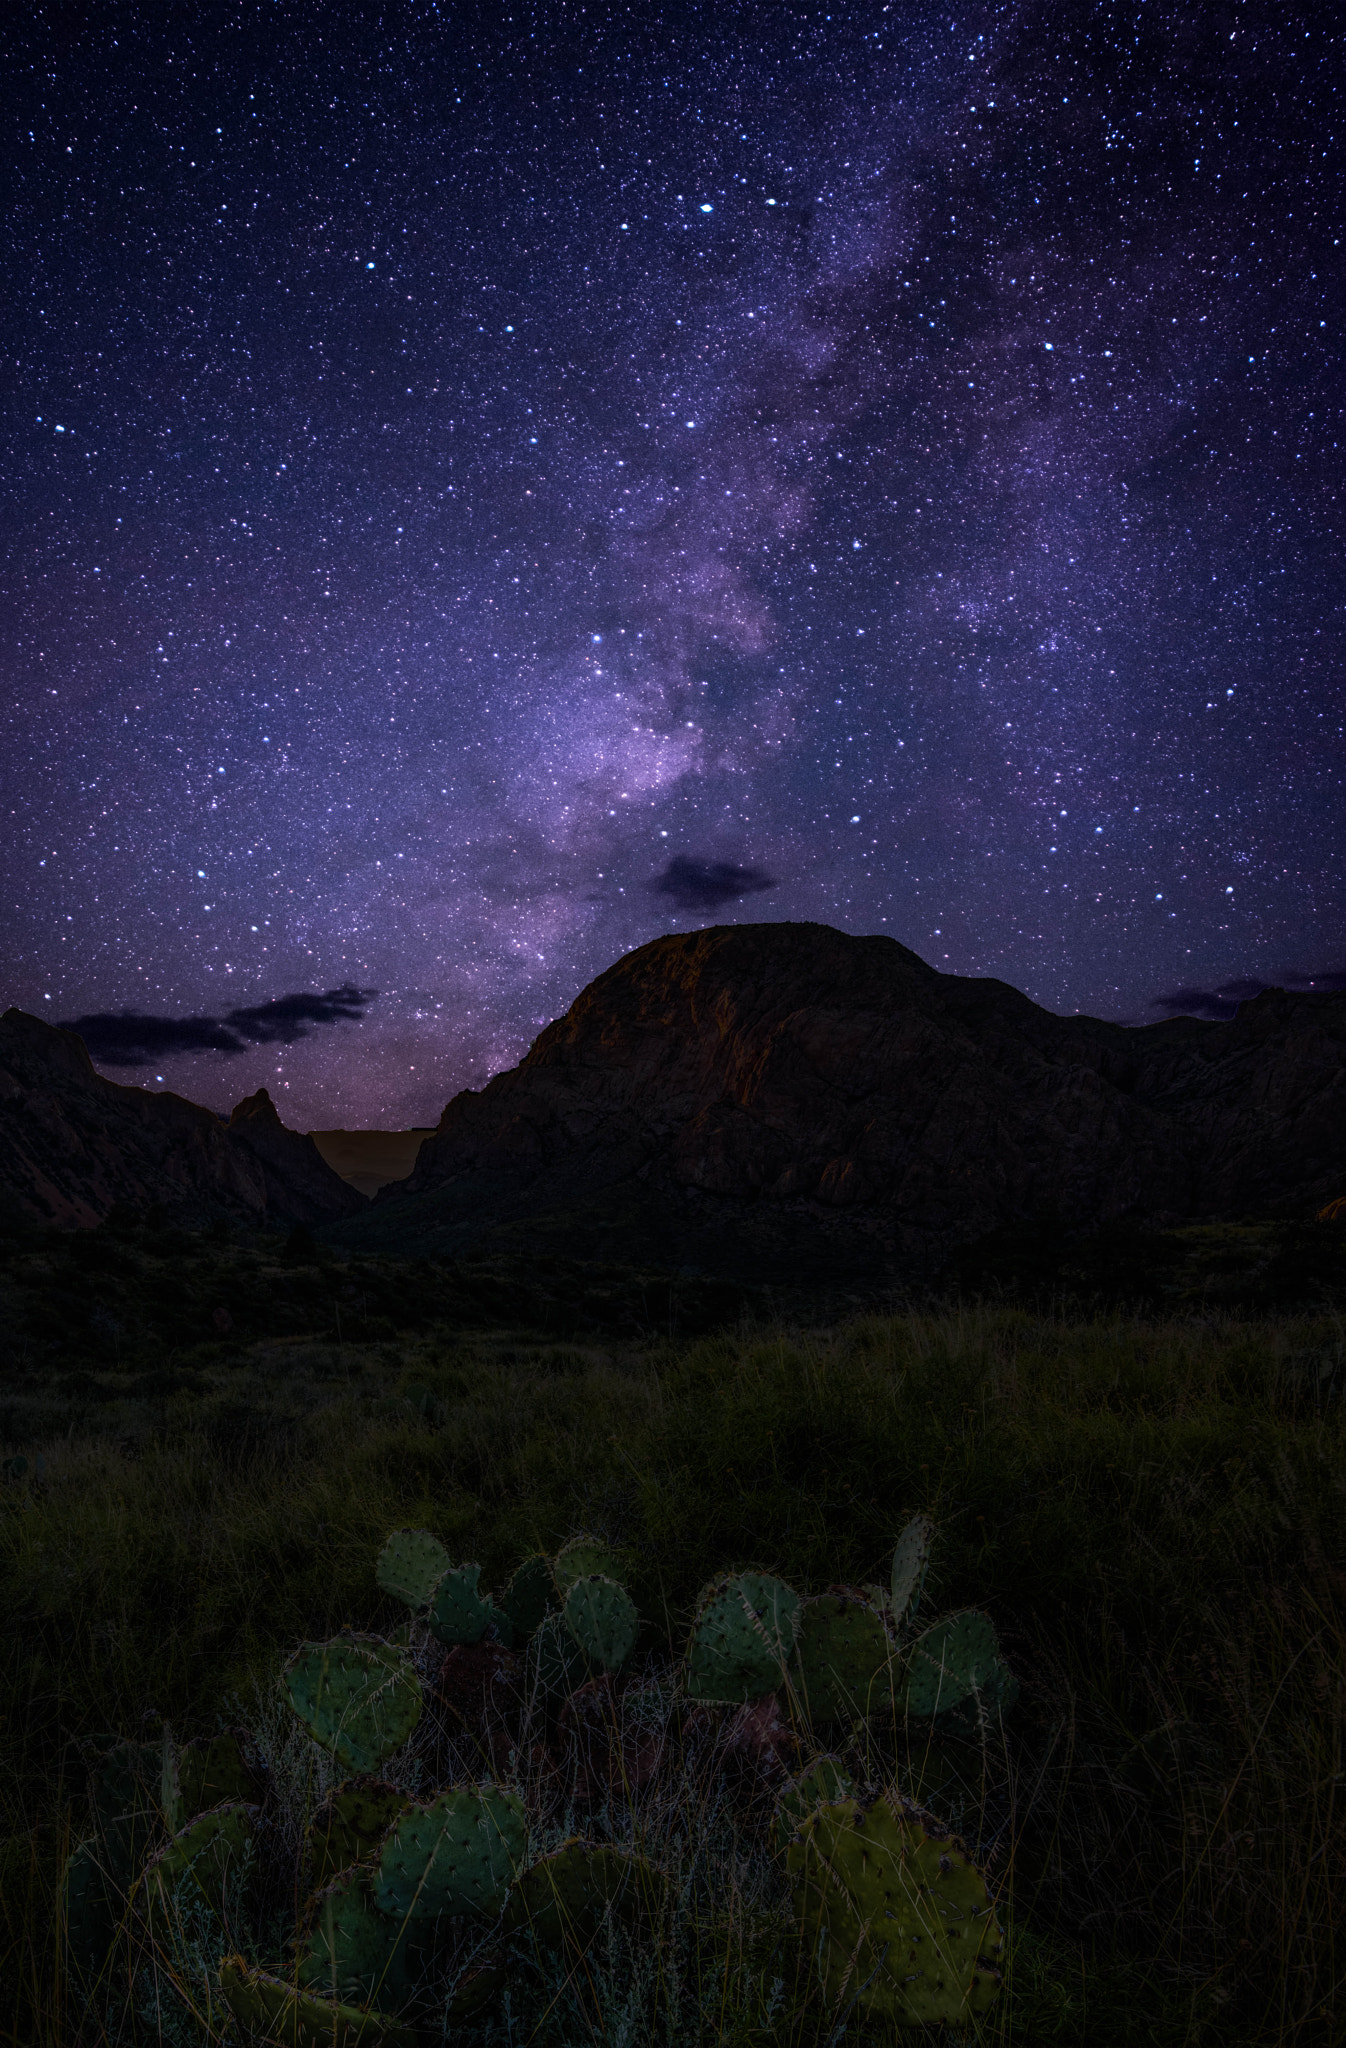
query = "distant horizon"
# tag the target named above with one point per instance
(227, 1075)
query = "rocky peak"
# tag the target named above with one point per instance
(256, 1109)
(821, 1088)
(73, 1143)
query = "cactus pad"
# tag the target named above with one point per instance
(350, 1951)
(275, 2011)
(947, 1662)
(126, 1788)
(910, 1561)
(743, 1634)
(824, 1783)
(350, 1825)
(198, 1862)
(357, 1695)
(893, 1917)
(90, 1910)
(456, 1855)
(844, 1663)
(530, 1594)
(992, 1697)
(556, 1666)
(411, 1564)
(205, 1774)
(564, 1898)
(582, 1558)
(601, 1616)
(458, 1612)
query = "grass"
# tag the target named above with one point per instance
(1153, 1510)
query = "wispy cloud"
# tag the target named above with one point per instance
(125, 1038)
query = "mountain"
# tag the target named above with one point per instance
(787, 1100)
(73, 1143)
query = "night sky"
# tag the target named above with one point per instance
(482, 488)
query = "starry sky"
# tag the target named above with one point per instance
(483, 486)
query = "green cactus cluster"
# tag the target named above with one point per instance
(891, 1914)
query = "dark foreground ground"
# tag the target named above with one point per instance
(1133, 1448)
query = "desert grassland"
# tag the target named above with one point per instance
(1153, 1511)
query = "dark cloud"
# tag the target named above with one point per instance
(1219, 1004)
(705, 884)
(288, 1017)
(126, 1039)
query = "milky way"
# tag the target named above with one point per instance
(472, 481)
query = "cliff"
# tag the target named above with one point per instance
(73, 1143)
(790, 1092)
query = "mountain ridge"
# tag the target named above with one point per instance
(74, 1144)
(830, 1080)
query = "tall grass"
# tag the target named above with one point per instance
(1155, 1514)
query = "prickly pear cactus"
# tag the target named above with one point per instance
(556, 1666)
(824, 1783)
(423, 1401)
(456, 1855)
(411, 1564)
(530, 1594)
(991, 1698)
(458, 1612)
(947, 1661)
(564, 1898)
(845, 1663)
(893, 1917)
(349, 1951)
(582, 1558)
(91, 1906)
(200, 1775)
(601, 1616)
(743, 1634)
(197, 1863)
(910, 1562)
(357, 1695)
(126, 1791)
(350, 1825)
(274, 2011)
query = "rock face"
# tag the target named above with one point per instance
(835, 1098)
(72, 1144)
(297, 1181)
